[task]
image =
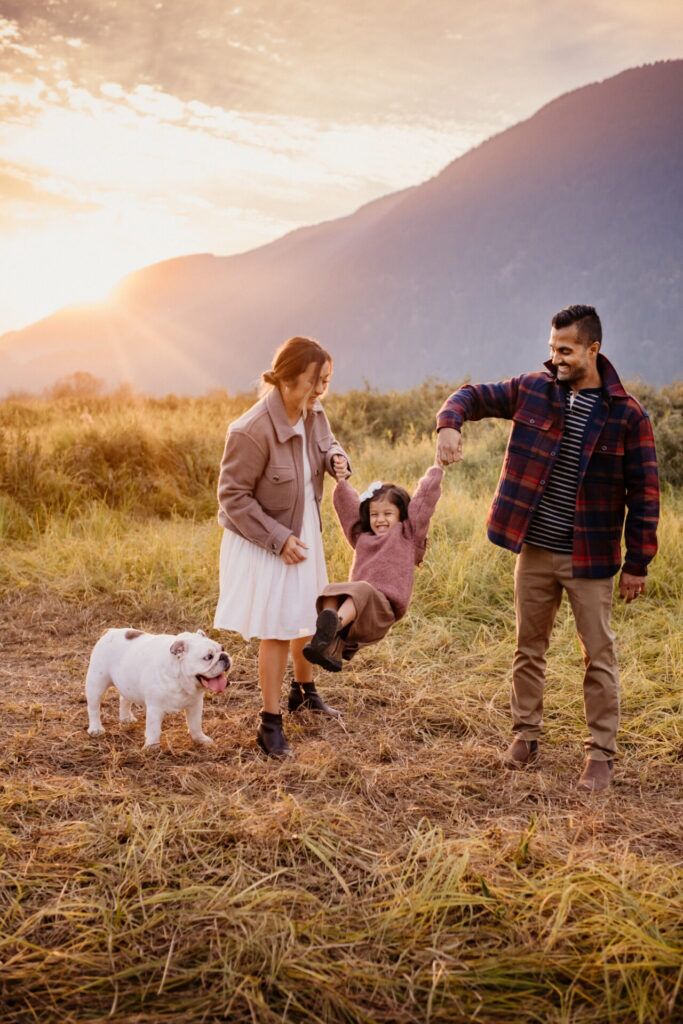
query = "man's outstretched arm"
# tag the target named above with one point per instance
(472, 402)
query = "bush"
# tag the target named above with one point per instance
(367, 414)
(80, 385)
(666, 409)
(160, 456)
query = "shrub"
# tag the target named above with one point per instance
(160, 456)
(79, 385)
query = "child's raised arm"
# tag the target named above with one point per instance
(423, 503)
(347, 505)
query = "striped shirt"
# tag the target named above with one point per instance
(552, 524)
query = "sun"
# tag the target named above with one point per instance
(51, 269)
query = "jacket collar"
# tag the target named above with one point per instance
(276, 410)
(611, 384)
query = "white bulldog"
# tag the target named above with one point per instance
(165, 673)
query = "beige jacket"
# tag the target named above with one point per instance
(261, 485)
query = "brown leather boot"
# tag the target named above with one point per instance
(596, 775)
(521, 753)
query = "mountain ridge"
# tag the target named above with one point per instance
(581, 202)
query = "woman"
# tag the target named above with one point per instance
(272, 563)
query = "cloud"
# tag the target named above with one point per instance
(146, 130)
(342, 59)
(19, 190)
(99, 183)
(154, 144)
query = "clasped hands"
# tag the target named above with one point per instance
(340, 467)
(448, 447)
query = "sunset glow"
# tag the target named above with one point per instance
(135, 133)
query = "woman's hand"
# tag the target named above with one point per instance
(340, 466)
(293, 550)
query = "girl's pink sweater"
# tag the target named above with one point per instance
(388, 561)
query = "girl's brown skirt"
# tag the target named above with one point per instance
(374, 617)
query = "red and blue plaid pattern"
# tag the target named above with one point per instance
(617, 473)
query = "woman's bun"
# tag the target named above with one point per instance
(269, 378)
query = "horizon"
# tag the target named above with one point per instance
(112, 161)
(83, 386)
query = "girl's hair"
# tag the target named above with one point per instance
(398, 496)
(293, 357)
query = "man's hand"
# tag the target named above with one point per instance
(293, 550)
(630, 587)
(448, 446)
(340, 467)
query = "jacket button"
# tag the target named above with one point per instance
(532, 421)
(542, 482)
(276, 477)
(553, 453)
(604, 447)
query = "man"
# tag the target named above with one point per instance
(580, 455)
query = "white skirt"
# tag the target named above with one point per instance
(261, 596)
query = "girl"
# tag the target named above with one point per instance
(272, 562)
(388, 530)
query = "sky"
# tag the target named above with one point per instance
(133, 131)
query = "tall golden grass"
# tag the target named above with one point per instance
(394, 871)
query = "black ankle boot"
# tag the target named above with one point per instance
(324, 648)
(270, 737)
(305, 697)
(295, 701)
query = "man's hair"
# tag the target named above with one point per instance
(586, 319)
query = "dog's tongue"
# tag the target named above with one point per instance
(217, 684)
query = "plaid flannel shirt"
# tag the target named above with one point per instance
(617, 472)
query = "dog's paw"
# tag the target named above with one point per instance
(128, 720)
(203, 740)
(152, 748)
(96, 732)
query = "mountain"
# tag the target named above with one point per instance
(458, 276)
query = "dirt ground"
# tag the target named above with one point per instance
(380, 755)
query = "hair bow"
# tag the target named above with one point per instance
(375, 486)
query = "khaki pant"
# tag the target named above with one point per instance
(540, 578)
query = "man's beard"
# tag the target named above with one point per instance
(569, 375)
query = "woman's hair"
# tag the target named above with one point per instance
(398, 496)
(293, 357)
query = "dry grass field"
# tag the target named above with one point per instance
(393, 871)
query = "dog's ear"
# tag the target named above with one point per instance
(178, 647)
(200, 632)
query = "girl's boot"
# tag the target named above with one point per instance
(325, 647)
(270, 737)
(305, 697)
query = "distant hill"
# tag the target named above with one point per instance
(583, 202)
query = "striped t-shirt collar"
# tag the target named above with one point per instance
(588, 392)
